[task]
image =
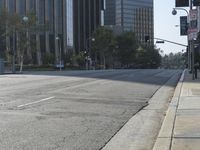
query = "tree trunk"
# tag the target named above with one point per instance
(104, 62)
(21, 63)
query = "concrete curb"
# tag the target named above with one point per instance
(163, 141)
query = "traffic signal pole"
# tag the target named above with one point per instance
(163, 40)
(191, 47)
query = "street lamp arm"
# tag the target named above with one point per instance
(171, 42)
(181, 9)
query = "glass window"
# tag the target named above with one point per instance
(70, 23)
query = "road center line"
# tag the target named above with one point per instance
(42, 100)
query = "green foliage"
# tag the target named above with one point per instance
(13, 25)
(48, 58)
(104, 40)
(126, 48)
(123, 49)
(148, 57)
(3, 18)
(80, 59)
(104, 45)
(174, 61)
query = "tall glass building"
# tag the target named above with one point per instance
(58, 14)
(132, 15)
(87, 17)
(110, 12)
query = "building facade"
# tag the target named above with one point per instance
(88, 15)
(110, 12)
(58, 14)
(132, 15)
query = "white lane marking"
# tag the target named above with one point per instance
(42, 100)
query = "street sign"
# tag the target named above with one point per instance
(193, 28)
(160, 41)
(183, 25)
(182, 3)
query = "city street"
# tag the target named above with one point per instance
(72, 110)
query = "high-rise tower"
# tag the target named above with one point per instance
(132, 15)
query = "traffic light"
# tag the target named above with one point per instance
(183, 25)
(196, 2)
(182, 3)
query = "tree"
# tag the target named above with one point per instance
(174, 61)
(20, 29)
(104, 45)
(148, 57)
(23, 29)
(127, 44)
(3, 22)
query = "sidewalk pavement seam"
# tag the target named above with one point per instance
(164, 139)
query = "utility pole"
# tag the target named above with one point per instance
(191, 46)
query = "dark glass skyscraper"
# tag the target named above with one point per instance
(87, 17)
(110, 12)
(132, 15)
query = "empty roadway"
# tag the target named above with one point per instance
(72, 110)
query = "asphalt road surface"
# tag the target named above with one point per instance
(76, 110)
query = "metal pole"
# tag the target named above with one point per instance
(188, 41)
(192, 52)
(191, 4)
(60, 54)
(86, 59)
(192, 48)
(14, 55)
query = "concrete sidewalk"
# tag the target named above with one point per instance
(181, 127)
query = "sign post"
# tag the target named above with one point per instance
(192, 35)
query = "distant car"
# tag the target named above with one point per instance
(59, 65)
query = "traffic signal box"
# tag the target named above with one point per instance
(196, 2)
(182, 3)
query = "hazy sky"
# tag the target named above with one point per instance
(164, 26)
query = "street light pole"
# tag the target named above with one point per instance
(192, 47)
(88, 52)
(59, 43)
(14, 53)
(174, 12)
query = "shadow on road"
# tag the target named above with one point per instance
(143, 76)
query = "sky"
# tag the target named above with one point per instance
(165, 26)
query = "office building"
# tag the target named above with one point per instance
(58, 14)
(110, 12)
(88, 15)
(71, 24)
(132, 15)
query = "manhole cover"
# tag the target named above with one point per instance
(195, 91)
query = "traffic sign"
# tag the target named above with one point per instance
(193, 28)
